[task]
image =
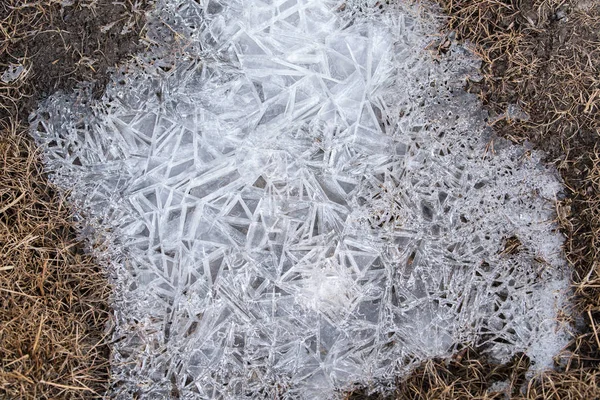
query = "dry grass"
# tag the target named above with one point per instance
(53, 297)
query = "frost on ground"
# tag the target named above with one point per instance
(296, 196)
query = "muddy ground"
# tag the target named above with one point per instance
(62, 46)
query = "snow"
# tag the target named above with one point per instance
(294, 197)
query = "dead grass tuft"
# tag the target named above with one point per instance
(467, 375)
(53, 297)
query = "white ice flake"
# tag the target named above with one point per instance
(297, 197)
(12, 73)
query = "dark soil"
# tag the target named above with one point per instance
(61, 46)
(544, 56)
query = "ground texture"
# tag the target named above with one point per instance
(545, 57)
(541, 55)
(53, 297)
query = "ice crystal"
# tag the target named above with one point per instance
(297, 197)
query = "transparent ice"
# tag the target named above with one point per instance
(297, 196)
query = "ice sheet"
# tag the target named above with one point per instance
(296, 196)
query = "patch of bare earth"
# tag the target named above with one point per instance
(53, 297)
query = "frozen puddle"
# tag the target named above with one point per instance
(296, 196)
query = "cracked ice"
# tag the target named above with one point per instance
(296, 197)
